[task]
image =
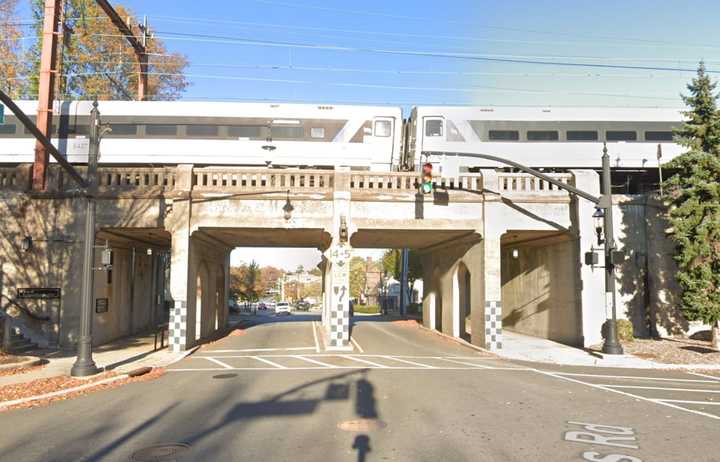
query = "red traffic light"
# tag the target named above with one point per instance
(427, 169)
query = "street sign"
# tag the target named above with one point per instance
(41, 293)
(2, 114)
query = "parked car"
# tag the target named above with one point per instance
(282, 308)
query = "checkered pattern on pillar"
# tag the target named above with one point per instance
(339, 325)
(177, 335)
(493, 325)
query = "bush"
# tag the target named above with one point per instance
(624, 328)
(366, 309)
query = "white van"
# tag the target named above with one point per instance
(282, 308)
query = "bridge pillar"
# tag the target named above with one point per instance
(178, 333)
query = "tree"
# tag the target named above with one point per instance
(391, 265)
(96, 59)
(692, 194)
(11, 72)
(358, 277)
(244, 281)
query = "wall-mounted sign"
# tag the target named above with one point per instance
(101, 305)
(2, 114)
(41, 293)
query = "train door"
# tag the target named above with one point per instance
(383, 139)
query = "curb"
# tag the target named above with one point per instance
(459, 341)
(29, 362)
(4, 404)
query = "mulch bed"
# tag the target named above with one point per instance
(6, 358)
(52, 384)
(673, 351)
(20, 370)
(406, 323)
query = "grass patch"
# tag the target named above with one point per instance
(366, 309)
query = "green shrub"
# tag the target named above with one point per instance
(366, 309)
(624, 328)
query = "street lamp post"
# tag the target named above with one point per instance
(612, 343)
(84, 364)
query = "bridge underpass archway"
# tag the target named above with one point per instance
(540, 286)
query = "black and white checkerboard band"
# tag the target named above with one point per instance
(339, 327)
(177, 335)
(493, 325)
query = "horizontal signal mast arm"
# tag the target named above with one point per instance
(533, 172)
(30, 126)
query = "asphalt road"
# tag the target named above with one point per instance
(402, 394)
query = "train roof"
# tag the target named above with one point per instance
(563, 113)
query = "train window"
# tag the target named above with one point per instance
(383, 128)
(202, 130)
(318, 132)
(542, 135)
(582, 135)
(504, 135)
(433, 127)
(658, 136)
(82, 130)
(7, 129)
(287, 132)
(160, 130)
(621, 135)
(123, 130)
(244, 131)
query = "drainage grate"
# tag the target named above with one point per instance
(160, 453)
(224, 376)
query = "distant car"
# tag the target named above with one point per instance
(282, 308)
(262, 306)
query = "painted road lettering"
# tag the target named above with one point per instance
(604, 435)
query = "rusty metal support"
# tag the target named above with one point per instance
(46, 89)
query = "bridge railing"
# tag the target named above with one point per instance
(408, 182)
(9, 178)
(139, 178)
(262, 180)
(524, 184)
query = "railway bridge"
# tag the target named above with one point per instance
(499, 250)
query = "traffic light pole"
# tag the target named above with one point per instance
(84, 364)
(612, 342)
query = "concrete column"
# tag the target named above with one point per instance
(337, 316)
(178, 222)
(592, 292)
(494, 227)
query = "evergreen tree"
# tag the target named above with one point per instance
(693, 196)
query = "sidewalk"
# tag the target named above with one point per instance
(122, 356)
(526, 348)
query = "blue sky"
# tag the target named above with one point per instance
(640, 33)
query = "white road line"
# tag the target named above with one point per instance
(357, 345)
(379, 366)
(716, 379)
(259, 350)
(683, 401)
(304, 358)
(219, 363)
(477, 366)
(572, 374)
(660, 388)
(395, 358)
(267, 361)
(317, 344)
(611, 390)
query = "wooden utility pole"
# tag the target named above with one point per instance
(139, 45)
(46, 89)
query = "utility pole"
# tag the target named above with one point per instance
(84, 364)
(46, 89)
(612, 343)
(139, 45)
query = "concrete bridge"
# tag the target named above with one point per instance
(499, 250)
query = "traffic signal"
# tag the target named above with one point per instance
(427, 178)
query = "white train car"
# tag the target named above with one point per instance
(562, 137)
(219, 133)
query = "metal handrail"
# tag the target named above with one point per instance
(23, 309)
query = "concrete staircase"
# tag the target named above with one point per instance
(19, 344)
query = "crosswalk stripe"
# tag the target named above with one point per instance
(395, 358)
(219, 363)
(267, 361)
(355, 358)
(304, 358)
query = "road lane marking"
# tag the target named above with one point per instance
(611, 390)
(572, 374)
(267, 361)
(467, 364)
(395, 358)
(716, 379)
(687, 401)
(259, 350)
(379, 366)
(660, 388)
(357, 345)
(218, 362)
(329, 366)
(315, 338)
